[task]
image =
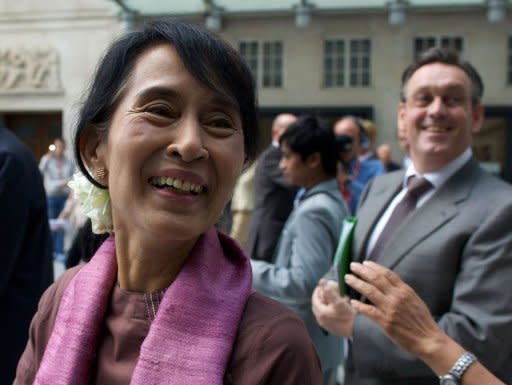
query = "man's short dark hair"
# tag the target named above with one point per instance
(445, 56)
(311, 134)
(210, 60)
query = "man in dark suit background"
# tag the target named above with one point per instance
(355, 173)
(25, 248)
(384, 154)
(454, 249)
(273, 197)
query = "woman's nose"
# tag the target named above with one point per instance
(187, 142)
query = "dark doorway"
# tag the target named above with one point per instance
(37, 130)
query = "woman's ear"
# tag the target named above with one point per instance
(92, 151)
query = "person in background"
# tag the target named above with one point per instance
(242, 204)
(385, 156)
(404, 146)
(57, 170)
(354, 174)
(162, 137)
(273, 197)
(25, 248)
(442, 226)
(310, 235)
(368, 151)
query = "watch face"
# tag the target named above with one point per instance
(448, 379)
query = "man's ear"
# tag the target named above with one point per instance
(401, 116)
(92, 149)
(478, 118)
(314, 160)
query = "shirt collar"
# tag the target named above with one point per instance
(439, 177)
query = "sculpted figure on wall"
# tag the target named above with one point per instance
(29, 70)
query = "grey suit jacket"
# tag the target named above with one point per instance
(456, 253)
(304, 255)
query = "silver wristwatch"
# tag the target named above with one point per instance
(455, 374)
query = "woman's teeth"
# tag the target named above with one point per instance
(177, 184)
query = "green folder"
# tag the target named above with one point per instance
(342, 256)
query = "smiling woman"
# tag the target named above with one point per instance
(167, 126)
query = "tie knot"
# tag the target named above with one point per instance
(418, 186)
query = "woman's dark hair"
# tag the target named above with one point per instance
(445, 56)
(211, 61)
(311, 134)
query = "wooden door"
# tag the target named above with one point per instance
(36, 130)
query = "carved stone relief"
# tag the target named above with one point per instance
(33, 70)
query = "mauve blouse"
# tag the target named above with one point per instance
(272, 346)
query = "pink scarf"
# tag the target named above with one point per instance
(191, 338)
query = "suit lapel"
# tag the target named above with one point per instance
(369, 213)
(437, 212)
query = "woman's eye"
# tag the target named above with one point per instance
(221, 123)
(160, 110)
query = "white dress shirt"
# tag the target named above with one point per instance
(436, 178)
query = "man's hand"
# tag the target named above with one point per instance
(333, 312)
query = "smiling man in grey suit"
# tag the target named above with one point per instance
(454, 249)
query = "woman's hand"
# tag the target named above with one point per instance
(333, 312)
(396, 307)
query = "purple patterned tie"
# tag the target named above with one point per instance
(416, 187)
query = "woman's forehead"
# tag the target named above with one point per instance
(161, 66)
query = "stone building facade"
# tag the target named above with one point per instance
(346, 59)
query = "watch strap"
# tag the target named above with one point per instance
(462, 364)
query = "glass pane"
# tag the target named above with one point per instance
(327, 79)
(266, 49)
(353, 79)
(418, 45)
(254, 49)
(279, 48)
(354, 47)
(340, 64)
(365, 79)
(278, 81)
(340, 79)
(458, 44)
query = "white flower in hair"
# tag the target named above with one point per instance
(95, 203)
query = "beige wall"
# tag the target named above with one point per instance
(80, 31)
(77, 30)
(392, 50)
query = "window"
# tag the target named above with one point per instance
(265, 60)
(347, 62)
(249, 51)
(423, 43)
(272, 63)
